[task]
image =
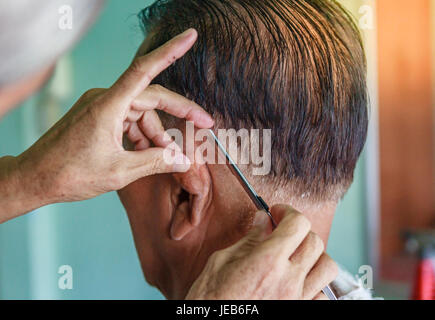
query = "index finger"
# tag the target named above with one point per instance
(145, 68)
(158, 97)
(291, 231)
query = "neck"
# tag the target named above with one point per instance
(176, 285)
(321, 217)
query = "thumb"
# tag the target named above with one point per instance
(139, 164)
(254, 237)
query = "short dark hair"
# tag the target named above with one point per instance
(294, 66)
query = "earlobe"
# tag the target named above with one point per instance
(193, 199)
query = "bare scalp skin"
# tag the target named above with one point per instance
(288, 263)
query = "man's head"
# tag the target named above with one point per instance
(294, 67)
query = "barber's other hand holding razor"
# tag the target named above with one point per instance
(82, 156)
(288, 263)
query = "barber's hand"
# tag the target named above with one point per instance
(82, 156)
(288, 263)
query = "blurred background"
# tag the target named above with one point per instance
(383, 222)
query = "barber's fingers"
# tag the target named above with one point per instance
(308, 253)
(136, 136)
(252, 239)
(149, 127)
(291, 231)
(138, 164)
(321, 296)
(323, 273)
(158, 97)
(145, 68)
(153, 129)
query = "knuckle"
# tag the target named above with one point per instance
(317, 242)
(217, 256)
(155, 165)
(213, 257)
(91, 93)
(136, 65)
(333, 268)
(137, 68)
(116, 179)
(299, 220)
(330, 266)
(115, 182)
(156, 88)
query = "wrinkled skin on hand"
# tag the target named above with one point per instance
(288, 263)
(82, 156)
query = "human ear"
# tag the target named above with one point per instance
(192, 200)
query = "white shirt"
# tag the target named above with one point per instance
(348, 287)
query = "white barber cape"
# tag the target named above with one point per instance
(348, 287)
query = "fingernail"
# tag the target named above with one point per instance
(181, 163)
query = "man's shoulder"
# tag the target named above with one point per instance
(348, 287)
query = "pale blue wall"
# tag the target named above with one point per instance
(347, 242)
(94, 236)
